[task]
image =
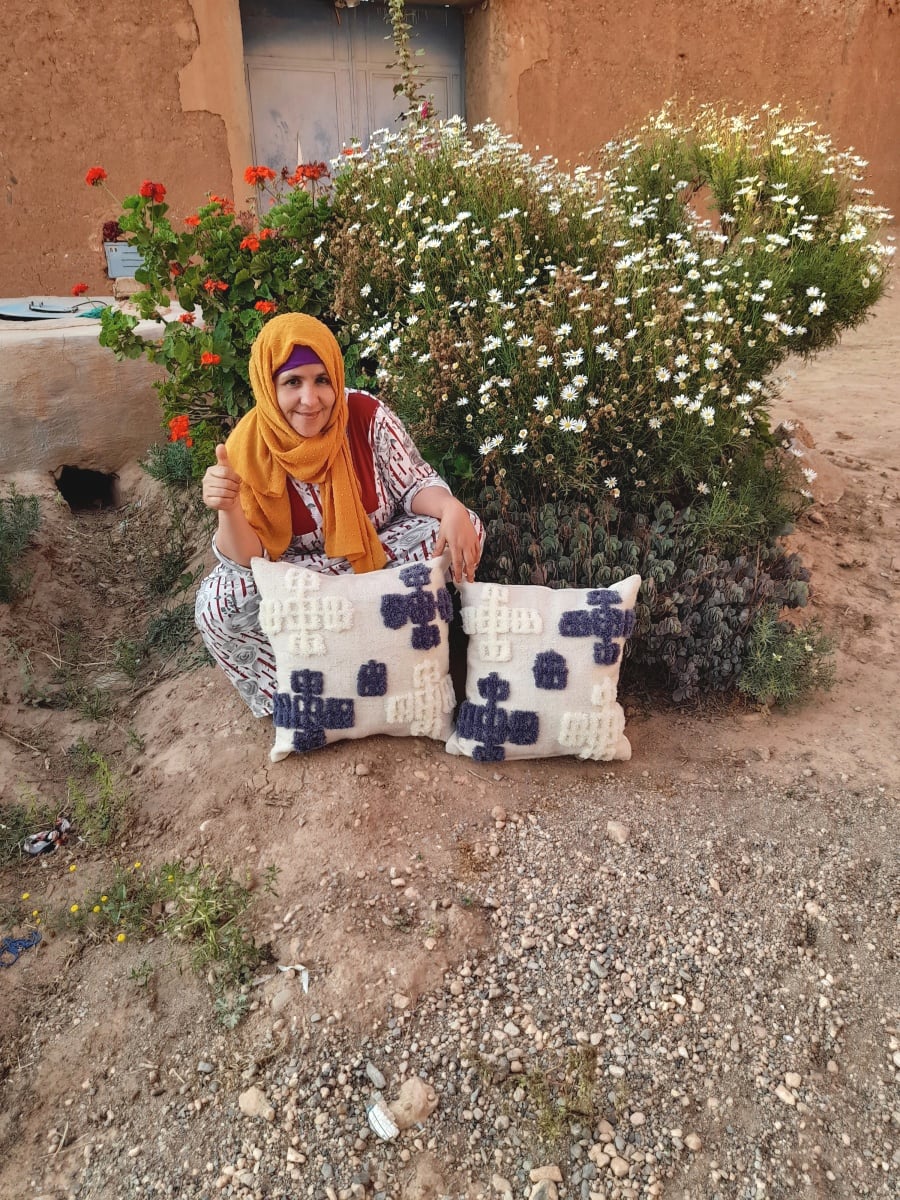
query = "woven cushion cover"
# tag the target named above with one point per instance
(357, 654)
(542, 671)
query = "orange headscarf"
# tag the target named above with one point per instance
(263, 449)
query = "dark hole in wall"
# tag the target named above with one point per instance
(84, 489)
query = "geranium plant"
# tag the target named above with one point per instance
(228, 271)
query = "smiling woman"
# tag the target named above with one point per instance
(321, 476)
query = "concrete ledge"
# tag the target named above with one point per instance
(65, 399)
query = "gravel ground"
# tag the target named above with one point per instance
(696, 999)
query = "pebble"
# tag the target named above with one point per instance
(501, 1185)
(253, 1103)
(617, 832)
(376, 1078)
(416, 1102)
(785, 1095)
(693, 1143)
(619, 1167)
(545, 1190)
(548, 1171)
(792, 1079)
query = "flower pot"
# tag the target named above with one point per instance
(122, 260)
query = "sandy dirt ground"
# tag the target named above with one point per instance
(82, 1042)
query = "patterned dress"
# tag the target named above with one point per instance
(391, 473)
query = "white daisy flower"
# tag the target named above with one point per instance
(817, 308)
(540, 403)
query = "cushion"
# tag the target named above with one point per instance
(542, 669)
(357, 654)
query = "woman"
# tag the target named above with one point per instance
(319, 475)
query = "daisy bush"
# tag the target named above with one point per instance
(589, 356)
(229, 271)
(596, 333)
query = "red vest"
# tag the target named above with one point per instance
(359, 424)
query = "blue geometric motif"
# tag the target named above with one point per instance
(492, 725)
(420, 607)
(604, 622)
(308, 713)
(550, 671)
(371, 679)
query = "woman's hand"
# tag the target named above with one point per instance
(458, 535)
(221, 483)
(222, 492)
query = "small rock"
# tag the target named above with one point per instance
(619, 1167)
(545, 1190)
(205, 1068)
(376, 1078)
(693, 1143)
(637, 1119)
(416, 1102)
(361, 769)
(400, 1001)
(598, 1155)
(697, 1006)
(253, 1103)
(501, 1185)
(792, 1079)
(784, 1095)
(617, 832)
(548, 1171)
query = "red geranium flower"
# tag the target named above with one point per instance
(193, 221)
(309, 172)
(208, 359)
(187, 318)
(175, 269)
(79, 289)
(251, 243)
(178, 430)
(214, 285)
(95, 175)
(152, 191)
(258, 175)
(265, 306)
(265, 234)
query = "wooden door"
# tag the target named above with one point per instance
(318, 77)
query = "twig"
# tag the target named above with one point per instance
(12, 737)
(61, 1142)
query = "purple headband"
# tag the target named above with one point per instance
(301, 356)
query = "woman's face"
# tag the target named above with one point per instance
(306, 398)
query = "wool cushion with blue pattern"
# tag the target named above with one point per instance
(542, 671)
(357, 654)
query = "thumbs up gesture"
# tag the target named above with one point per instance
(221, 483)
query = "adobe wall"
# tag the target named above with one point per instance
(85, 84)
(567, 76)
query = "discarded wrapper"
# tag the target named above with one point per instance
(299, 970)
(380, 1119)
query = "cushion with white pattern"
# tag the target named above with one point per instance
(542, 671)
(357, 654)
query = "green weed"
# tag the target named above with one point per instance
(786, 663)
(19, 520)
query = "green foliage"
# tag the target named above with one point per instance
(695, 608)
(19, 520)
(199, 907)
(561, 336)
(97, 798)
(785, 663)
(171, 464)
